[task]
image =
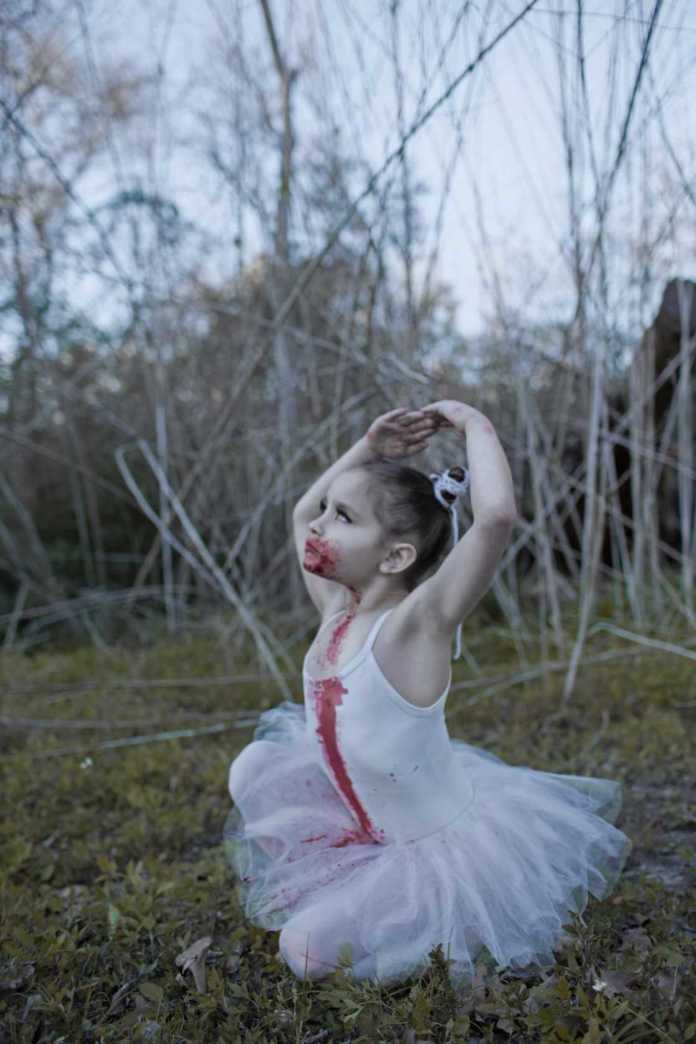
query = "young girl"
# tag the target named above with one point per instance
(359, 827)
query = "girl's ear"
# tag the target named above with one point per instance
(400, 557)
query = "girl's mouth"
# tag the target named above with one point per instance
(320, 557)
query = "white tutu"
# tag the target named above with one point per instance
(503, 876)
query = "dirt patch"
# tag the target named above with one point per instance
(660, 819)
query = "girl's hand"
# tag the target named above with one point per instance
(448, 413)
(400, 433)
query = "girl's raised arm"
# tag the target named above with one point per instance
(465, 575)
(398, 433)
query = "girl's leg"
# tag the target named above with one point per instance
(245, 771)
(310, 941)
(246, 767)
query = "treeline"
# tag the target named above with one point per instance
(158, 425)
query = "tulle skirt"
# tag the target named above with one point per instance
(500, 882)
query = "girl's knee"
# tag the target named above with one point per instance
(247, 764)
(309, 946)
(296, 953)
(303, 953)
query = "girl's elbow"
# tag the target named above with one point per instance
(506, 515)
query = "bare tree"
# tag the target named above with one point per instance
(154, 453)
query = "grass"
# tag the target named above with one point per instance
(111, 860)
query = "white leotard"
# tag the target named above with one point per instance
(391, 762)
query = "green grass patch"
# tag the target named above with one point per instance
(112, 865)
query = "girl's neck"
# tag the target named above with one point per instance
(372, 603)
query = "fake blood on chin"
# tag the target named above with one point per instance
(320, 557)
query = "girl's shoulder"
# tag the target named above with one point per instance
(415, 660)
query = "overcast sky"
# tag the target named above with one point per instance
(500, 130)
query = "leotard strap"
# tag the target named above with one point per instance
(371, 634)
(374, 630)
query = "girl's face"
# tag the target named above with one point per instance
(345, 540)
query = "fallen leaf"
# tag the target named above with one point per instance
(193, 959)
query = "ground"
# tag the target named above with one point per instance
(111, 865)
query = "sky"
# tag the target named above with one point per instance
(496, 142)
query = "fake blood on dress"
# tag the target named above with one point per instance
(327, 694)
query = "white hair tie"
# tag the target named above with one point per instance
(447, 486)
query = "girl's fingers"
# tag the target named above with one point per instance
(415, 418)
(414, 422)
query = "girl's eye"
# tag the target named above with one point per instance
(339, 511)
